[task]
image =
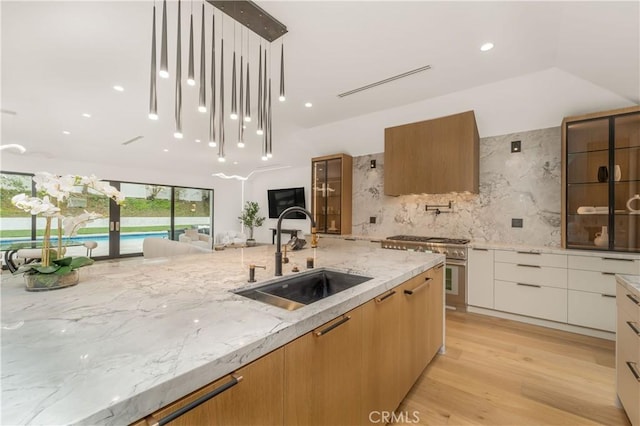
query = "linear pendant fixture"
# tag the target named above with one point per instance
(282, 97)
(221, 115)
(269, 134)
(241, 104)
(164, 63)
(234, 101)
(153, 97)
(191, 78)
(260, 129)
(202, 100)
(178, 105)
(247, 103)
(212, 109)
(264, 91)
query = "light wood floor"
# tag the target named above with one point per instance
(501, 372)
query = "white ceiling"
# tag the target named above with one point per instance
(61, 59)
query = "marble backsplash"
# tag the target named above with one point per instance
(524, 185)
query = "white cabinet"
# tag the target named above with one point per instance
(592, 289)
(628, 353)
(532, 284)
(480, 278)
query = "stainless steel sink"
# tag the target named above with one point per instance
(294, 292)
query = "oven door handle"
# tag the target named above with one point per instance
(456, 263)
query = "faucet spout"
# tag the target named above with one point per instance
(279, 236)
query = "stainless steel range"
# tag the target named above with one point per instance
(455, 251)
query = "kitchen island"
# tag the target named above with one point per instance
(138, 334)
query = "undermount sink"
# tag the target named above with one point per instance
(294, 292)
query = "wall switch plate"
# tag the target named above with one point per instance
(516, 223)
(372, 219)
(372, 164)
(516, 146)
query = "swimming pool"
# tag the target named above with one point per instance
(93, 237)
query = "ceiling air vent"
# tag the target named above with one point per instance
(385, 81)
(132, 140)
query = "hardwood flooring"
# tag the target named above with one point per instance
(501, 372)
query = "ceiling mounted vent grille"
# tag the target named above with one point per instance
(385, 81)
(132, 140)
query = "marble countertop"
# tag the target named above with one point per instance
(630, 282)
(137, 334)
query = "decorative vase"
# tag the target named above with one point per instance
(44, 282)
(603, 174)
(630, 202)
(251, 242)
(602, 238)
(617, 173)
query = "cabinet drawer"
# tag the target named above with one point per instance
(593, 281)
(605, 264)
(592, 310)
(531, 274)
(627, 354)
(540, 302)
(628, 303)
(539, 259)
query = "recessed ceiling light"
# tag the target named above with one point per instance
(235, 162)
(66, 132)
(118, 88)
(308, 104)
(197, 140)
(166, 150)
(486, 46)
(86, 115)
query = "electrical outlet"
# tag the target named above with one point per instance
(516, 146)
(372, 164)
(372, 219)
(516, 223)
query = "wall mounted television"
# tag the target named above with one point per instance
(282, 199)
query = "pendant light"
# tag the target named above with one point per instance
(264, 91)
(234, 101)
(282, 97)
(202, 104)
(260, 129)
(178, 104)
(221, 115)
(247, 103)
(153, 98)
(164, 64)
(241, 105)
(269, 133)
(191, 79)
(212, 109)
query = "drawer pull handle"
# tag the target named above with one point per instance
(479, 249)
(633, 299)
(613, 296)
(529, 285)
(332, 326)
(633, 370)
(385, 297)
(151, 421)
(615, 258)
(529, 252)
(524, 265)
(607, 273)
(634, 328)
(440, 266)
(420, 287)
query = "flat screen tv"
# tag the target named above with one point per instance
(282, 199)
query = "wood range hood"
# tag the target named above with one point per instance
(437, 156)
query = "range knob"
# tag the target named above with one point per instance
(445, 251)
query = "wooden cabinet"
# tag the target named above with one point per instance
(250, 396)
(322, 377)
(331, 188)
(381, 353)
(435, 156)
(480, 278)
(435, 312)
(600, 174)
(628, 352)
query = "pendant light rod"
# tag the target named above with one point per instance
(178, 104)
(153, 97)
(212, 109)
(264, 90)
(202, 100)
(164, 63)
(221, 114)
(269, 134)
(282, 96)
(247, 104)
(260, 129)
(191, 79)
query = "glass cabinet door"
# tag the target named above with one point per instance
(327, 195)
(626, 182)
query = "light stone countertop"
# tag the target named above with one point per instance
(630, 282)
(137, 334)
(552, 250)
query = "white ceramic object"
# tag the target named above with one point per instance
(631, 200)
(602, 238)
(617, 174)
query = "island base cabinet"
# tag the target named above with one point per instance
(435, 312)
(322, 375)
(256, 398)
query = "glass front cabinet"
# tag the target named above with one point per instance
(331, 193)
(601, 181)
